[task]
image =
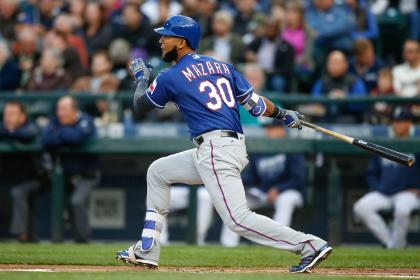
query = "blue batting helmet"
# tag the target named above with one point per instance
(182, 26)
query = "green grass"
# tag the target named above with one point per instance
(191, 256)
(170, 276)
(208, 256)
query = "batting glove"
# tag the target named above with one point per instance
(140, 69)
(292, 119)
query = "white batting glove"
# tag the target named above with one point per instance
(140, 69)
(292, 119)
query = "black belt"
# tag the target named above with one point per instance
(224, 133)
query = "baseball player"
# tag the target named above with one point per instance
(208, 92)
(393, 187)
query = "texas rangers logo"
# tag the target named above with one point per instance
(152, 86)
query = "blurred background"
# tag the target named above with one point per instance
(73, 156)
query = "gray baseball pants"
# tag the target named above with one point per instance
(23, 218)
(217, 163)
(22, 214)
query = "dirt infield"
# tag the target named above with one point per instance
(389, 272)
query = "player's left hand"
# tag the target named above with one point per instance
(272, 195)
(292, 119)
(140, 69)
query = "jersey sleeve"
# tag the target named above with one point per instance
(242, 88)
(158, 92)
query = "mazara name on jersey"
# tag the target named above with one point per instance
(196, 70)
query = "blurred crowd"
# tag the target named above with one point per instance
(334, 48)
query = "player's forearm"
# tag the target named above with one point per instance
(140, 104)
(270, 107)
(272, 110)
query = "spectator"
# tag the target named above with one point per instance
(127, 83)
(190, 8)
(159, 10)
(365, 64)
(339, 83)
(407, 75)
(21, 170)
(246, 17)
(272, 181)
(49, 75)
(366, 26)
(112, 8)
(47, 13)
(9, 10)
(26, 52)
(119, 53)
(65, 25)
(207, 9)
(72, 65)
(29, 12)
(39, 14)
(73, 128)
(256, 77)
(77, 13)
(299, 36)
(381, 111)
(394, 9)
(9, 70)
(332, 28)
(404, 6)
(415, 23)
(101, 79)
(179, 201)
(133, 24)
(394, 187)
(278, 9)
(274, 55)
(223, 45)
(95, 33)
(384, 84)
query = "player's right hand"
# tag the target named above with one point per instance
(292, 119)
(140, 69)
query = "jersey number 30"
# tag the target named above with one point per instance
(223, 91)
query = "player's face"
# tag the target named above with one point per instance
(336, 65)
(401, 128)
(411, 51)
(13, 117)
(66, 113)
(169, 46)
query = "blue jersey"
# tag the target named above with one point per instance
(282, 171)
(389, 177)
(205, 91)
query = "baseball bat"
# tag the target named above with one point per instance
(395, 156)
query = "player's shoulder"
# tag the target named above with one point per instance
(165, 74)
(212, 59)
(195, 57)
